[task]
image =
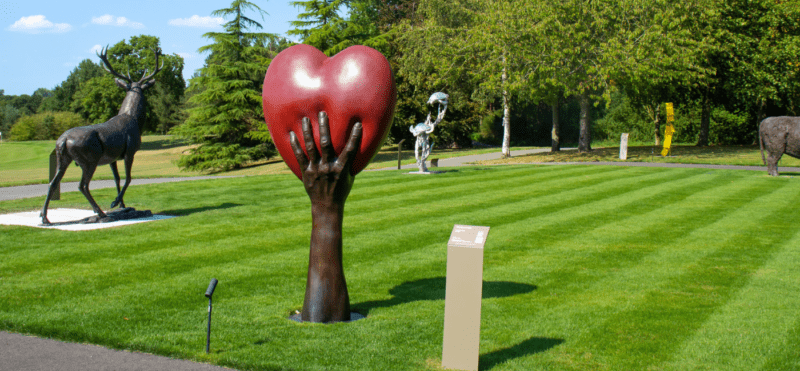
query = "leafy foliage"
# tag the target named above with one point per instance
(63, 94)
(45, 126)
(99, 98)
(225, 116)
(321, 25)
(725, 63)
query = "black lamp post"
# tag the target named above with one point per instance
(210, 291)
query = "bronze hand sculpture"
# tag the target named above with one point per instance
(327, 181)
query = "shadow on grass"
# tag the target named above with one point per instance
(182, 212)
(160, 144)
(433, 289)
(531, 346)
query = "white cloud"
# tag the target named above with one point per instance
(38, 24)
(188, 55)
(197, 21)
(110, 20)
(96, 49)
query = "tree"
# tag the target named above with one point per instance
(321, 25)
(63, 94)
(594, 48)
(99, 99)
(45, 126)
(225, 114)
(450, 51)
(759, 69)
(10, 116)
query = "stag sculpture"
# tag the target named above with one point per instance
(104, 143)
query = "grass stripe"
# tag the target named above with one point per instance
(676, 304)
(755, 327)
(595, 266)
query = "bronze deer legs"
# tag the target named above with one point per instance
(116, 182)
(83, 186)
(121, 192)
(62, 165)
(63, 162)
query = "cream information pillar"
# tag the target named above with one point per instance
(462, 301)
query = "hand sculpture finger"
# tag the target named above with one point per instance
(302, 160)
(349, 153)
(308, 137)
(325, 146)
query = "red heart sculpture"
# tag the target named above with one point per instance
(356, 85)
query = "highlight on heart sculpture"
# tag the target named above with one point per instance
(328, 117)
(356, 85)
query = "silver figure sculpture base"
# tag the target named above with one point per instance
(422, 131)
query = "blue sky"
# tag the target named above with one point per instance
(41, 42)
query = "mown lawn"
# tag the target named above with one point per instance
(681, 154)
(28, 162)
(586, 268)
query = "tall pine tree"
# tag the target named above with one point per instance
(320, 24)
(225, 113)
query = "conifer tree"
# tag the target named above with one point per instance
(320, 24)
(225, 113)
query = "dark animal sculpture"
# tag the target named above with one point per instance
(779, 135)
(105, 143)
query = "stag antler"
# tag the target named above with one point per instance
(157, 51)
(107, 66)
(104, 56)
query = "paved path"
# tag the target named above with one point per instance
(37, 190)
(22, 353)
(465, 160)
(658, 164)
(27, 353)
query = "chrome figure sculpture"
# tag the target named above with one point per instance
(422, 148)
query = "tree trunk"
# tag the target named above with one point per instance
(759, 116)
(655, 115)
(506, 114)
(585, 140)
(705, 119)
(555, 144)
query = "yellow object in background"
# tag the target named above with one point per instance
(670, 115)
(667, 139)
(668, 131)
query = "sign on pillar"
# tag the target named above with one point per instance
(462, 300)
(668, 131)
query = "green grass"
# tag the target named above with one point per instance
(681, 154)
(586, 268)
(24, 163)
(29, 162)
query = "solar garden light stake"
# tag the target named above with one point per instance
(210, 291)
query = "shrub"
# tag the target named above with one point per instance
(622, 117)
(488, 133)
(45, 126)
(729, 128)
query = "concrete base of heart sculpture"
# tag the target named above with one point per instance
(297, 317)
